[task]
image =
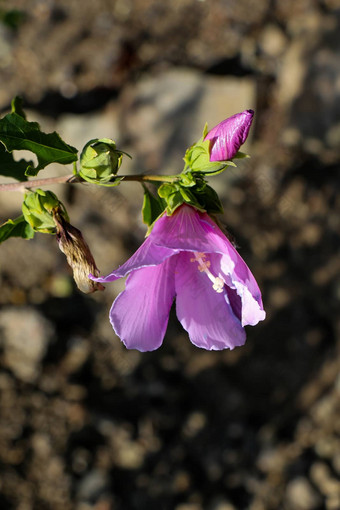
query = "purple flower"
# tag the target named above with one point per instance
(227, 137)
(188, 257)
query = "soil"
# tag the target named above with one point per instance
(86, 424)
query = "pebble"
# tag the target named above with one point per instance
(300, 495)
(25, 338)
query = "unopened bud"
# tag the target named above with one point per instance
(78, 254)
(227, 137)
(38, 207)
(100, 160)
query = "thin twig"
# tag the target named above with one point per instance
(20, 186)
(73, 179)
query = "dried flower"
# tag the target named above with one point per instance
(78, 254)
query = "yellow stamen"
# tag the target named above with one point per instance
(203, 267)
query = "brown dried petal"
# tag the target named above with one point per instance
(78, 255)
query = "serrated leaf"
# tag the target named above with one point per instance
(11, 168)
(16, 133)
(16, 228)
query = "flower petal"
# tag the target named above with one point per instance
(189, 230)
(228, 136)
(240, 278)
(148, 254)
(206, 314)
(140, 313)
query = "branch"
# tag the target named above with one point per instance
(21, 186)
(73, 179)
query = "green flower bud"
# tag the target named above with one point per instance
(38, 207)
(100, 161)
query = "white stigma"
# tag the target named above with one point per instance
(203, 267)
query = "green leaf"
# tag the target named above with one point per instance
(16, 228)
(211, 201)
(16, 105)
(16, 133)
(152, 207)
(11, 168)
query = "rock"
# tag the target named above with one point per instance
(300, 495)
(92, 486)
(165, 113)
(25, 335)
(273, 41)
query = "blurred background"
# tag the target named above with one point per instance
(86, 424)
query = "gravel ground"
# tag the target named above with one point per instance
(86, 424)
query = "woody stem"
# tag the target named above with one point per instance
(73, 179)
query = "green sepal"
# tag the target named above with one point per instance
(16, 133)
(153, 206)
(188, 196)
(16, 228)
(171, 196)
(197, 158)
(201, 196)
(197, 155)
(187, 179)
(241, 155)
(100, 161)
(209, 200)
(11, 168)
(173, 202)
(38, 208)
(167, 189)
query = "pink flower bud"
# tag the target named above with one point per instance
(227, 137)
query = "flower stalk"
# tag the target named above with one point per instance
(76, 179)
